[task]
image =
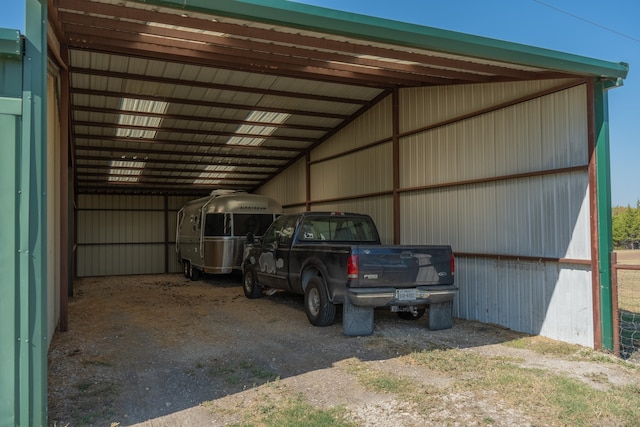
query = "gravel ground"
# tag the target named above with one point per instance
(164, 351)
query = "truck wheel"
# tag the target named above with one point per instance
(250, 285)
(194, 273)
(408, 315)
(320, 311)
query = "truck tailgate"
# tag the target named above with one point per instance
(403, 266)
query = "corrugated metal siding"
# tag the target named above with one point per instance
(545, 133)
(120, 235)
(542, 298)
(289, 187)
(546, 216)
(362, 172)
(539, 216)
(373, 125)
(425, 106)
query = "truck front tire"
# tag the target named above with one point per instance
(250, 285)
(320, 311)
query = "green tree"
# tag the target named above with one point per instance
(625, 225)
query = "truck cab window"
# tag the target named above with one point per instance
(273, 233)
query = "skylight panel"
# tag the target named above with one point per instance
(140, 106)
(125, 171)
(213, 174)
(265, 117)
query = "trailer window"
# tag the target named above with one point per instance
(255, 223)
(217, 225)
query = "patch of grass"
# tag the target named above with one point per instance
(544, 346)
(226, 373)
(295, 412)
(377, 381)
(449, 361)
(546, 397)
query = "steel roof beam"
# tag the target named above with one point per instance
(217, 120)
(116, 139)
(220, 86)
(185, 101)
(198, 132)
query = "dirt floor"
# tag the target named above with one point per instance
(164, 351)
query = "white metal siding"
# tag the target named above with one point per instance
(362, 172)
(426, 106)
(547, 133)
(289, 187)
(539, 216)
(545, 216)
(125, 234)
(372, 126)
(541, 298)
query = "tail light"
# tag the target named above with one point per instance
(352, 267)
(452, 262)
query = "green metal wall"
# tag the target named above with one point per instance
(10, 129)
(23, 291)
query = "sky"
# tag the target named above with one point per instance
(583, 27)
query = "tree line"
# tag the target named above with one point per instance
(626, 226)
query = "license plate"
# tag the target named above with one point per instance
(405, 294)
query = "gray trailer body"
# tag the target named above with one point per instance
(211, 231)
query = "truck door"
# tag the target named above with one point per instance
(273, 259)
(282, 253)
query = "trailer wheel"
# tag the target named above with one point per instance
(194, 273)
(250, 285)
(320, 311)
(409, 315)
(185, 267)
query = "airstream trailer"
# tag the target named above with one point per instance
(211, 231)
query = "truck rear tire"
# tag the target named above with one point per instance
(320, 311)
(250, 285)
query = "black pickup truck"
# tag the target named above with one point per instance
(337, 258)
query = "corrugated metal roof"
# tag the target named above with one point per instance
(181, 87)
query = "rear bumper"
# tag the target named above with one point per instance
(388, 296)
